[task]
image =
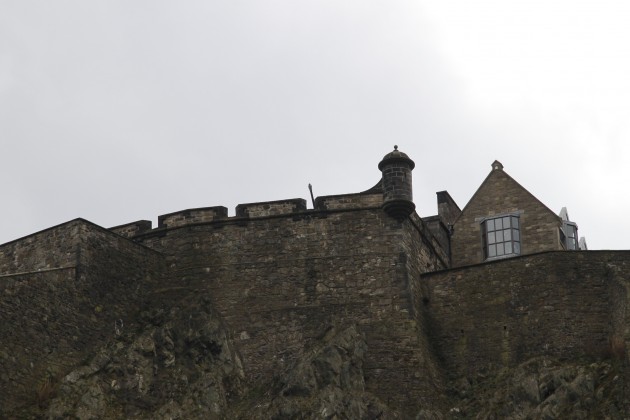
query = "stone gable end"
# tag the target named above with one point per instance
(501, 194)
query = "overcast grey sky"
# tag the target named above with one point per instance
(116, 111)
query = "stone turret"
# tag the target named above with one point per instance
(397, 187)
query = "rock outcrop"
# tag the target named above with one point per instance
(179, 364)
(328, 382)
(544, 388)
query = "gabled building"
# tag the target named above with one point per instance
(502, 220)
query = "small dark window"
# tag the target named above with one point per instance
(501, 237)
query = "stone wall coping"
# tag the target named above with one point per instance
(219, 211)
(39, 232)
(285, 201)
(320, 202)
(136, 223)
(367, 192)
(299, 205)
(78, 221)
(525, 256)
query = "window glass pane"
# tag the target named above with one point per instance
(501, 236)
(492, 251)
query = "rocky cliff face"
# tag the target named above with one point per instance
(178, 364)
(328, 382)
(181, 364)
(544, 388)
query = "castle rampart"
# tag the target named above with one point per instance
(498, 314)
(282, 276)
(63, 293)
(281, 281)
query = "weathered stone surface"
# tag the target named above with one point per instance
(284, 312)
(501, 194)
(190, 216)
(63, 292)
(278, 281)
(327, 382)
(544, 388)
(179, 364)
(560, 304)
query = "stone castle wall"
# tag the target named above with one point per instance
(52, 248)
(282, 277)
(563, 304)
(62, 291)
(282, 281)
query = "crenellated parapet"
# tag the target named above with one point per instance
(393, 194)
(370, 199)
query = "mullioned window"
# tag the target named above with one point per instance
(501, 236)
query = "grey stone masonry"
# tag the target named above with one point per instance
(186, 217)
(397, 184)
(130, 230)
(271, 208)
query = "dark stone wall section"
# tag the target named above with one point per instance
(51, 248)
(271, 208)
(130, 230)
(448, 210)
(561, 304)
(282, 277)
(63, 293)
(190, 216)
(280, 283)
